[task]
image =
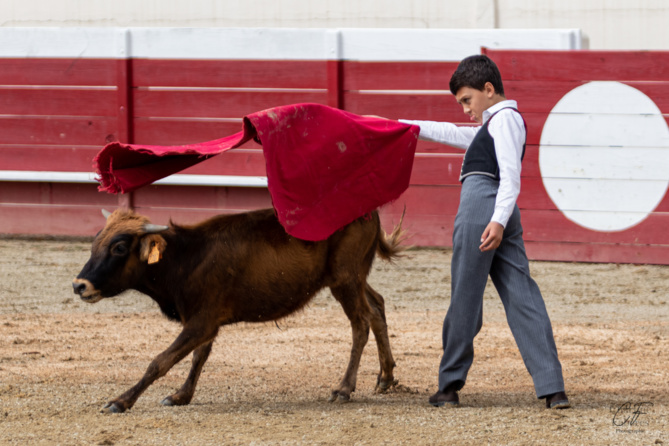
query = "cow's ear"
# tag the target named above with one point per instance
(152, 248)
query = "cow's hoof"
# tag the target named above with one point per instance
(384, 386)
(339, 397)
(176, 400)
(112, 408)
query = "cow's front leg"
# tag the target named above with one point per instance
(185, 394)
(186, 342)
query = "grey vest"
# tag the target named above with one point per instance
(480, 157)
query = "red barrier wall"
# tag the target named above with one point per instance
(57, 113)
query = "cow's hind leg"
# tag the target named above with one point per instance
(385, 380)
(357, 310)
(185, 394)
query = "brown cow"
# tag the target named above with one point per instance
(238, 268)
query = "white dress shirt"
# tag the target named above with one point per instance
(508, 132)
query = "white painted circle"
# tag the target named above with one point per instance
(604, 156)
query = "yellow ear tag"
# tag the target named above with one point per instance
(154, 255)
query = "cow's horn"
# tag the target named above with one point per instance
(150, 228)
(106, 213)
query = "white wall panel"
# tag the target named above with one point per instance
(275, 43)
(607, 24)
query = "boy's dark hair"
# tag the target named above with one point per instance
(474, 72)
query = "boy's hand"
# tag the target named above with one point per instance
(492, 236)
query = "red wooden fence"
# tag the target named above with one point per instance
(56, 114)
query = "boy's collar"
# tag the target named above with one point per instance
(497, 107)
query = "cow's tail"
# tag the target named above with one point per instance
(390, 245)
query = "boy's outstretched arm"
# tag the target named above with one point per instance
(445, 132)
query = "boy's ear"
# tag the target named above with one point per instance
(152, 248)
(489, 89)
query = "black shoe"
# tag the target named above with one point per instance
(557, 401)
(449, 397)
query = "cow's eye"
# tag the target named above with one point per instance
(119, 249)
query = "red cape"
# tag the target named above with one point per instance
(325, 167)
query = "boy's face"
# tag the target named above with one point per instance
(474, 102)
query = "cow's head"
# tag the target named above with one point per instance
(119, 255)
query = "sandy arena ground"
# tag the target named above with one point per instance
(62, 359)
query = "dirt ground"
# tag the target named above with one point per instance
(61, 360)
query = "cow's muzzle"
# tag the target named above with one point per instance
(85, 289)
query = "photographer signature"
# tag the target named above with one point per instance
(629, 413)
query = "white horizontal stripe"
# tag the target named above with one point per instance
(58, 87)
(192, 119)
(364, 44)
(51, 177)
(172, 180)
(238, 89)
(213, 180)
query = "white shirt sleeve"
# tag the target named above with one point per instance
(508, 131)
(445, 133)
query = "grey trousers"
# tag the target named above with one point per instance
(508, 268)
